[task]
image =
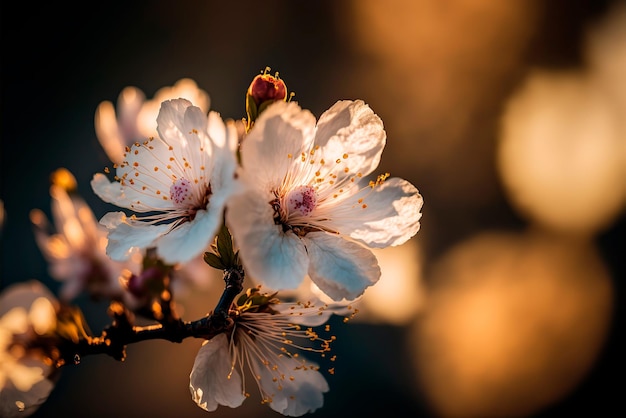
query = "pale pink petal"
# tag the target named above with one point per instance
(212, 381)
(340, 268)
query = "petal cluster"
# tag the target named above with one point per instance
(74, 246)
(27, 311)
(135, 117)
(265, 344)
(176, 184)
(310, 206)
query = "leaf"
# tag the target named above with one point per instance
(214, 261)
(225, 246)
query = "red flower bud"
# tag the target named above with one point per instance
(264, 90)
(266, 87)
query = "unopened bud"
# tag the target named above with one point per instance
(264, 90)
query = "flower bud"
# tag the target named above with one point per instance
(264, 90)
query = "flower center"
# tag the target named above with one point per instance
(180, 192)
(301, 200)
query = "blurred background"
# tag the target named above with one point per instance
(509, 117)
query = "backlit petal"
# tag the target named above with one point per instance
(340, 268)
(124, 237)
(391, 216)
(280, 135)
(352, 128)
(190, 239)
(275, 258)
(212, 382)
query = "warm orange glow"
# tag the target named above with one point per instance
(64, 179)
(399, 295)
(42, 315)
(513, 323)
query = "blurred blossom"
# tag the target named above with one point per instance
(513, 323)
(177, 184)
(267, 338)
(308, 207)
(136, 117)
(27, 313)
(74, 246)
(562, 153)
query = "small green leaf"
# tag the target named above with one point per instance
(225, 246)
(214, 261)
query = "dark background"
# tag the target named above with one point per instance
(59, 62)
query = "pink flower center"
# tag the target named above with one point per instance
(301, 200)
(180, 192)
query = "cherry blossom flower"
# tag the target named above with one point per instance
(308, 208)
(27, 374)
(177, 182)
(74, 246)
(265, 339)
(136, 116)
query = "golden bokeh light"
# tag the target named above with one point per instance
(513, 323)
(562, 153)
(64, 179)
(398, 296)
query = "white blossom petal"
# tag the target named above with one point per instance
(280, 135)
(340, 268)
(301, 392)
(189, 240)
(125, 237)
(352, 128)
(213, 381)
(316, 197)
(110, 191)
(278, 259)
(391, 217)
(178, 182)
